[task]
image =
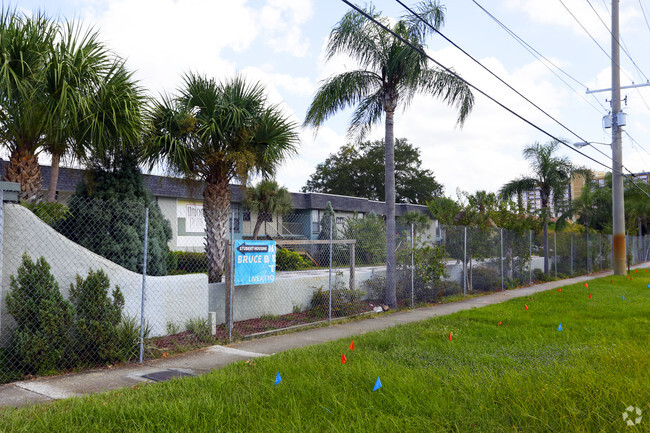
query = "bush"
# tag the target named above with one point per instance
(539, 275)
(287, 260)
(187, 262)
(375, 286)
(370, 234)
(343, 299)
(128, 337)
(50, 213)
(201, 328)
(41, 340)
(485, 280)
(97, 317)
(428, 270)
(108, 216)
(448, 288)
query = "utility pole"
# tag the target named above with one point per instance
(618, 207)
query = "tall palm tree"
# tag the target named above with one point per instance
(25, 43)
(391, 74)
(216, 132)
(266, 199)
(551, 175)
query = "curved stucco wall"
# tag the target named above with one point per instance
(170, 299)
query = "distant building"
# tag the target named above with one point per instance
(532, 200)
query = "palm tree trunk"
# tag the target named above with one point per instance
(216, 212)
(258, 224)
(546, 266)
(54, 178)
(23, 168)
(391, 295)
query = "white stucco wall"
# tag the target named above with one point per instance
(168, 299)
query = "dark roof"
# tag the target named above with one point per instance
(172, 187)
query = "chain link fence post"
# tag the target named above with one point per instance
(465, 262)
(501, 256)
(555, 252)
(412, 268)
(571, 254)
(329, 284)
(530, 262)
(144, 282)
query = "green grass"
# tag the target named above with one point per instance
(523, 375)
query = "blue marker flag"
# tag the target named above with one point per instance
(377, 385)
(624, 297)
(278, 379)
(559, 328)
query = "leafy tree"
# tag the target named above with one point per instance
(41, 340)
(266, 199)
(369, 232)
(551, 175)
(390, 74)
(358, 171)
(217, 132)
(444, 209)
(108, 216)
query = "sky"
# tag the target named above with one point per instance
(281, 43)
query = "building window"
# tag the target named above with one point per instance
(340, 220)
(315, 223)
(246, 215)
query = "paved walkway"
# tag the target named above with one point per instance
(205, 360)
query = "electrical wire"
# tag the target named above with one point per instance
(539, 56)
(645, 17)
(415, 14)
(482, 92)
(625, 50)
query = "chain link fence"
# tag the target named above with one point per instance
(82, 285)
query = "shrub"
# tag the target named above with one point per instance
(50, 213)
(108, 216)
(370, 234)
(448, 288)
(539, 275)
(375, 286)
(287, 260)
(201, 328)
(485, 279)
(41, 340)
(342, 298)
(97, 317)
(187, 262)
(428, 270)
(128, 337)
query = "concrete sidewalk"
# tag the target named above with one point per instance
(202, 361)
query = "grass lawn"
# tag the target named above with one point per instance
(522, 375)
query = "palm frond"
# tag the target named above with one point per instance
(449, 88)
(339, 92)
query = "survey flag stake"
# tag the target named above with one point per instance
(278, 379)
(586, 285)
(560, 289)
(450, 336)
(343, 359)
(377, 385)
(352, 345)
(590, 296)
(526, 305)
(624, 297)
(498, 323)
(559, 328)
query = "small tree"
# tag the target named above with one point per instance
(108, 211)
(41, 340)
(98, 317)
(369, 232)
(266, 199)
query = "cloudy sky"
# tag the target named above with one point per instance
(280, 42)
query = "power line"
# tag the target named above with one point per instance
(645, 17)
(411, 11)
(539, 56)
(625, 50)
(623, 47)
(449, 71)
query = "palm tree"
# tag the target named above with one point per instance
(217, 132)
(25, 43)
(391, 74)
(266, 199)
(552, 175)
(419, 221)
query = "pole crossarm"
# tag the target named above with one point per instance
(632, 86)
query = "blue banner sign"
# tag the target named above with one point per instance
(254, 262)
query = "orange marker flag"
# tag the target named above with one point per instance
(590, 296)
(526, 305)
(611, 281)
(352, 345)
(499, 323)
(636, 270)
(630, 278)
(586, 285)
(450, 336)
(343, 359)
(560, 289)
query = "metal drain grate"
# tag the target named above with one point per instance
(163, 376)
